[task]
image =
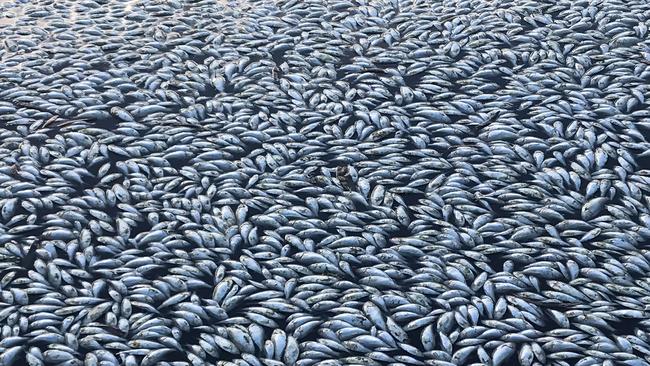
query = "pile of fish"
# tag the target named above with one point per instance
(324, 182)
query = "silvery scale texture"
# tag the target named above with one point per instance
(353, 182)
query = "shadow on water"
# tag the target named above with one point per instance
(627, 326)
(278, 56)
(643, 161)
(412, 81)
(107, 123)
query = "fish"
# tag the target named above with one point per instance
(323, 183)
